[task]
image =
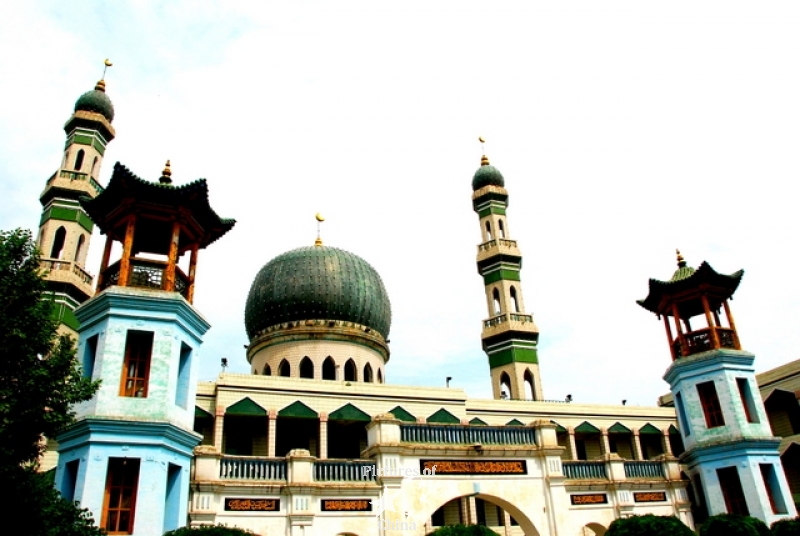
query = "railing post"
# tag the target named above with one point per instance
(300, 467)
(383, 429)
(206, 463)
(615, 467)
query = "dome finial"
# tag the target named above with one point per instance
(101, 84)
(681, 261)
(320, 219)
(166, 175)
(484, 158)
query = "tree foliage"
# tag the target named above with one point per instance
(733, 525)
(786, 527)
(463, 530)
(39, 382)
(210, 530)
(649, 525)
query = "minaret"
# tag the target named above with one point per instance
(65, 229)
(128, 456)
(731, 455)
(509, 334)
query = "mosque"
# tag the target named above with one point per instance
(316, 442)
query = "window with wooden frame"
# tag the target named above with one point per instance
(119, 503)
(710, 402)
(136, 368)
(750, 411)
(732, 492)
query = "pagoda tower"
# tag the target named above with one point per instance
(731, 455)
(65, 229)
(128, 456)
(509, 334)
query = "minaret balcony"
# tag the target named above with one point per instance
(146, 273)
(73, 180)
(67, 272)
(498, 246)
(703, 340)
(508, 322)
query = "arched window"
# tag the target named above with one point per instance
(284, 369)
(368, 373)
(58, 243)
(528, 377)
(94, 166)
(79, 160)
(66, 158)
(329, 369)
(267, 371)
(488, 231)
(350, 371)
(496, 301)
(505, 386)
(306, 368)
(79, 248)
(502, 230)
(514, 300)
(380, 376)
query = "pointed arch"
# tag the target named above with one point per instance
(284, 369)
(349, 412)
(443, 416)
(58, 243)
(94, 166)
(350, 372)
(496, 301)
(267, 371)
(402, 415)
(380, 376)
(329, 369)
(505, 386)
(79, 247)
(488, 230)
(501, 229)
(368, 378)
(530, 393)
(306, 368)
(79, 160)
(514, 299)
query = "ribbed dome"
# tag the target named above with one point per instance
(317, 283)
(96, 101)
(487, 175)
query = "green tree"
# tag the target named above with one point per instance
(211, 530)
(39, 382)
(649, 525)
(463, 530)
(786, 527)
(733, 525)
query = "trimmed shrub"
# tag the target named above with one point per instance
(733, 525)
(786, 527)
(649, 525)
(209, 530)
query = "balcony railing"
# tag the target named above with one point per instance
(344, 470)
(505, 317)
(640, 469)
(702, 341)
(497, 241)
(466, 435)
(585, 470)
(244, 468)
(66, 266)
(77, 176)
(146, 273)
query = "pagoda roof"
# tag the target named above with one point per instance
(686, 284)
(128, 194)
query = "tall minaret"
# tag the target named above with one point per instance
(731, 455)
(64, 229)
(509, 334)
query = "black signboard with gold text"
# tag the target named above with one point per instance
(650, 496)
(589, 498)
(346, 505)
(473, 467)
(238, 504)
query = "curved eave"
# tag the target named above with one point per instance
(125, 188)
(718, 287)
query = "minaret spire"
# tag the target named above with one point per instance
(509, 334)
(320, 219)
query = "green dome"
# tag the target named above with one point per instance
(96, 101)
(487, 175)
(317, 283)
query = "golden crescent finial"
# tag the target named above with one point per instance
(484, 158)
(107, 62)
(319, 217)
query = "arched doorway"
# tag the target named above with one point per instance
(593, 529)
(481, 509)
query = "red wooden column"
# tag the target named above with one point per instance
(192, 268)
(676, 315)
(669, 338)
(127, 246)
(104, 262)
(169, 273)
(732, 325)
(711, 328)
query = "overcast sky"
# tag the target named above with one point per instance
(623, 130)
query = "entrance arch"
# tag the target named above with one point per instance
(593, 529)
(522, 520)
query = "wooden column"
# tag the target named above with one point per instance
(127, 247)
(272, 432)
(169, 274)
(732, 325)
(711, 328)
(676, 315)
(192, 269)
(669, 338)
(104, 262)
